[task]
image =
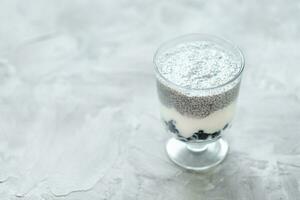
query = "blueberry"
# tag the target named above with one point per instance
(171, 126)
(215, 134)
(202, 136)
(226, 126)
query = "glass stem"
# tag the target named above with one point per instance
(196, 147)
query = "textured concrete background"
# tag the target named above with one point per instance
(78, 107)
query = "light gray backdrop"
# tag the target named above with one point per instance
(79, 115)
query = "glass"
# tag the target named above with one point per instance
(197, 117)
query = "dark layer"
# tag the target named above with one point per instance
(196, 106)
(199, 135)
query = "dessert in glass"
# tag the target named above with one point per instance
(198, 78)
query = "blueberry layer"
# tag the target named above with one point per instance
(199, 135)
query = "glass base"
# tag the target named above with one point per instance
(197, 156)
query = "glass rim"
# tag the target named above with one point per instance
(208, 37)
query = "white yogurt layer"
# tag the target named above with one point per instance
(187, 126)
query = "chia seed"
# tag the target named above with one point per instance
(195, 106)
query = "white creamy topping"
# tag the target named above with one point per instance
(198, 65)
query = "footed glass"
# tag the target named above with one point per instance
(198, 78)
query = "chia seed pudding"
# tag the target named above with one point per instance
(198, 83)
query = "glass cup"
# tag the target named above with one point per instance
(197, 142)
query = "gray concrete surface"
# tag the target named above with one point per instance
(78, 107)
